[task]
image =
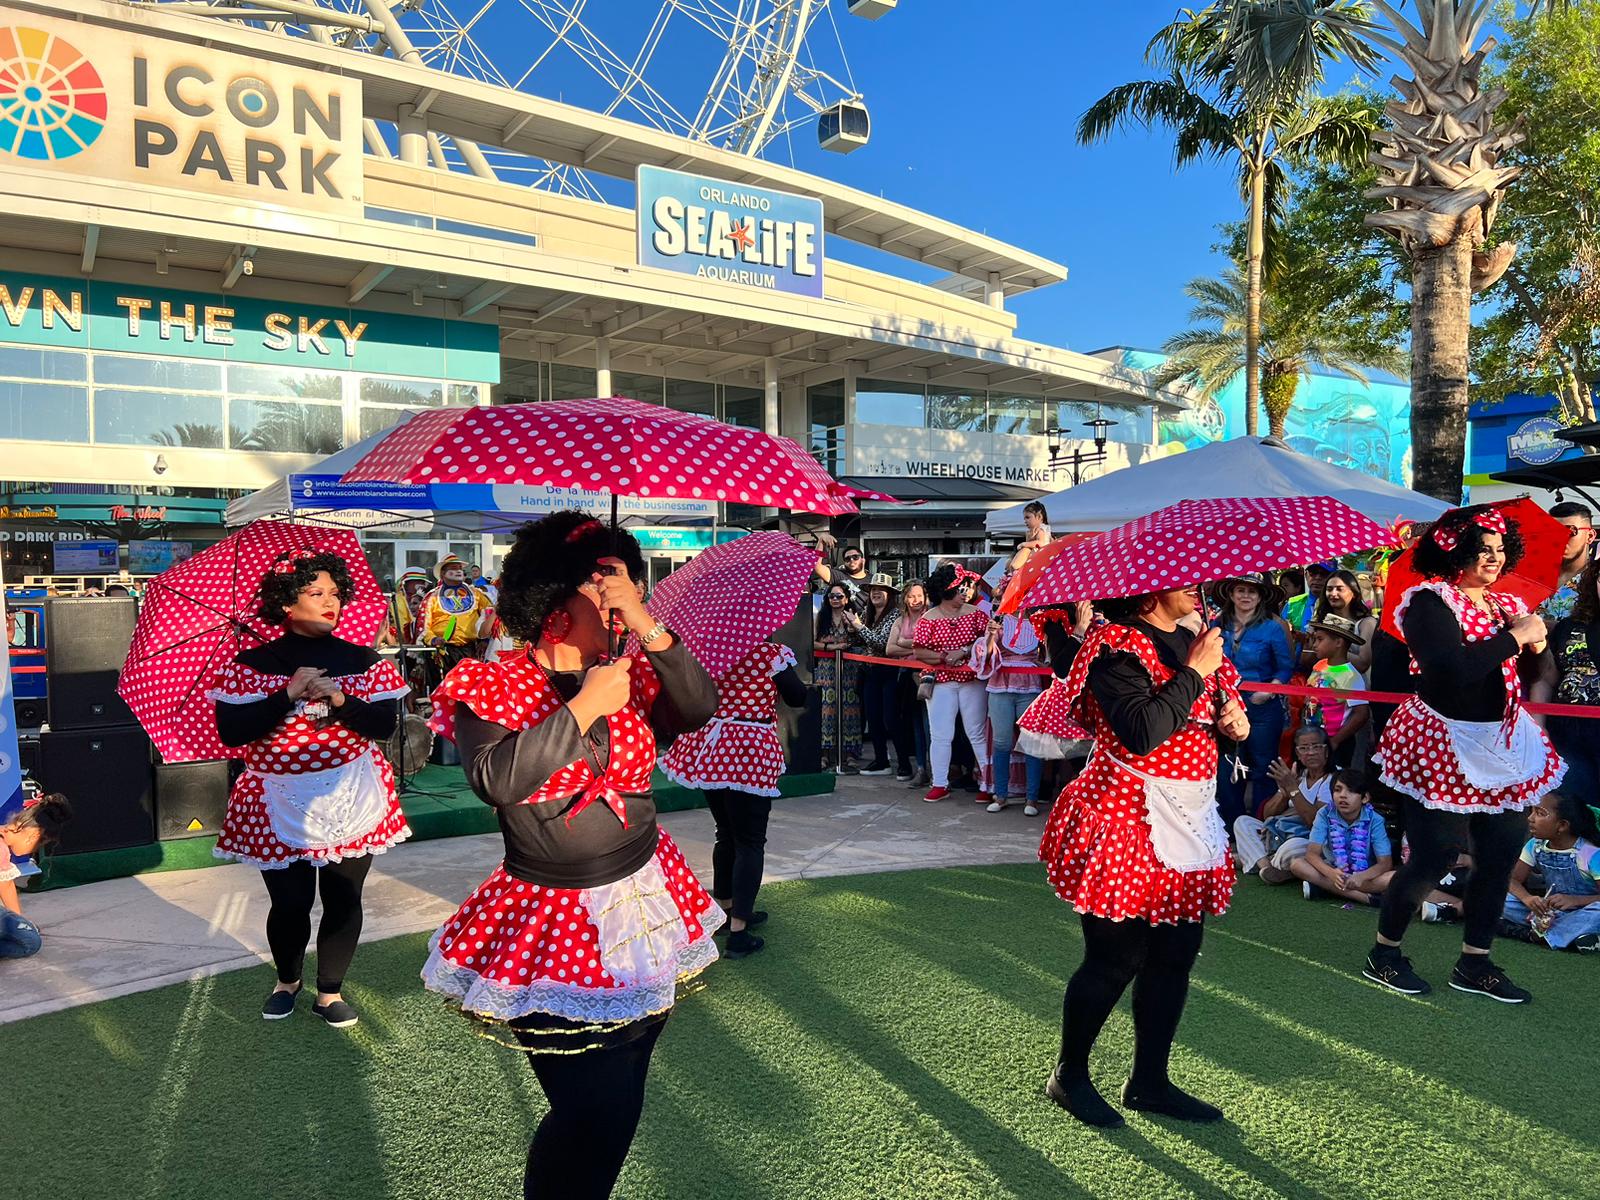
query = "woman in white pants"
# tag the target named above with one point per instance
(943, 639)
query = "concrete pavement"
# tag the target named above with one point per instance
(129, 935)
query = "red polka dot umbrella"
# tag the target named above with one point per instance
(197, 616)
(1196, 541)
(728, 600)
(616, 445)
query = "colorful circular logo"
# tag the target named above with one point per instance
(52, 100)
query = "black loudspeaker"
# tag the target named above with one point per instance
(28, 755)
(190, 799)
(31, 713)
(106, 775)
(87, 639)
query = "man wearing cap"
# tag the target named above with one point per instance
(455, 615)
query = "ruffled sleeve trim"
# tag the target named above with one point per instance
(239, 684)
(381, 681)
(783, 657)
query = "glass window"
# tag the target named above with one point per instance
(285, 428)
(464, 394)
(745, 407)
(380, 557)
(571, 383)
(29, 363)
(825, 404)
(428, 393)
(1073, 417)
(173, 374)
(637, 387)
(887, 402)
(44, 412)
(285, 383)
(951, 408)
(159, 418)
(1016, 414)
(376, 420)
(690, 396)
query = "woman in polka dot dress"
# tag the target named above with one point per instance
(943, 639)
(1135, 843)
(736, 760)
(316, 799)
(581, 938)
(1465, 754)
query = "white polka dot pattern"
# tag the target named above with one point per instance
(616, 445)
(1197, 541)
(197, 616)
(729, 599)
(739, 748)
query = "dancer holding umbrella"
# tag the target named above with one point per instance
(1464, 752)
(307, 705)
(729, 598)
(1135, 844)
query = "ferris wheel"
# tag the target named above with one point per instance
(744, 75)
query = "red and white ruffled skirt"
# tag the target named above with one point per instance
(727, 752)
(600, 957)
(1430, 757)
(1047, 730)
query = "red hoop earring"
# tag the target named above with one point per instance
(556, 626)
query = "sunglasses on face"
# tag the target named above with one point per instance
(835, 596)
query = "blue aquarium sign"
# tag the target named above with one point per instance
(729, 232)
(1535, 442)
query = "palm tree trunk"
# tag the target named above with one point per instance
(1441, 323)
(1277, 393)
(1252, 303)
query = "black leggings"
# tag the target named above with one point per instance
(1156, 959)
(740, 852)
(596, 1098)
(293, 890)
(1493, 839)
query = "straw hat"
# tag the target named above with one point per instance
(1341, 627)
(879, 580)
(1272, 595)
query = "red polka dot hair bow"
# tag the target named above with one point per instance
(286, 563)
(962, 575)
(1491, 521)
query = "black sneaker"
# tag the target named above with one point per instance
(279, 1005)
(338, 1014)
(878, 768)
(1587, 943)
(742, 944)
(1387, 966)
(1079, 1097)
(1475, 973)
(759, 917)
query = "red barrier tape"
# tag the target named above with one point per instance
(1587, 711)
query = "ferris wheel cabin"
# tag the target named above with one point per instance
(844, 127)
(871, 9)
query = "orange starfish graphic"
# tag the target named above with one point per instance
(740, 235)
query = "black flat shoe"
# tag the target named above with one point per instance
(279, 1005)
(1078, 1097)
(338, 1014)
(742, 944)
(1170, 1101)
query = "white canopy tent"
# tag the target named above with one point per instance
(1241, 467)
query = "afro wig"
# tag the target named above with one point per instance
(551, 559)
(942, 583)
(1433, 561)
(281, 588)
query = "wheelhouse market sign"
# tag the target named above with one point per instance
(729, 232)
(94, 102)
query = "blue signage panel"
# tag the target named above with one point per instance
(729, 232)
(1515, 432)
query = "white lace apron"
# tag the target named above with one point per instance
(1489, 760)
(641, 930)
(322, 810)
(1186, 830)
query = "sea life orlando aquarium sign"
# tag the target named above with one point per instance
(729, 232)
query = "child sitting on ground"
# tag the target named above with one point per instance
(1269, 843)
(1349, 856)
(37, 827)
(1565, 850)
(1331, 639)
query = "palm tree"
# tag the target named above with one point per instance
(1440, 176)
(1202, 100)
(1301, 328)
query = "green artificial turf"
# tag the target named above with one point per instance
(892, 1041)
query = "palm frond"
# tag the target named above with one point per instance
(1149, 102)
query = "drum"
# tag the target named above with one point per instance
(407, 749)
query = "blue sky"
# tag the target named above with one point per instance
(974, 107)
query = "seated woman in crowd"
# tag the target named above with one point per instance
(34, 829)
(1564, 851)
(1256, 641)
(1269, 844)
(1349, 855)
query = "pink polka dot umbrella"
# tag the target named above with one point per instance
(616, 445)
(199, 615)
(729, 599)
(1196, 541)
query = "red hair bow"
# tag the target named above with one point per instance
(1491, 521)
(286, 562)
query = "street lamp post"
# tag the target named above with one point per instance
(1078, 458)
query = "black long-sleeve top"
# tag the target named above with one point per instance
(1460, 680)
(791, 688)
(1062, 645)
(1143, 718)
(505, 767)
(241, 724)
